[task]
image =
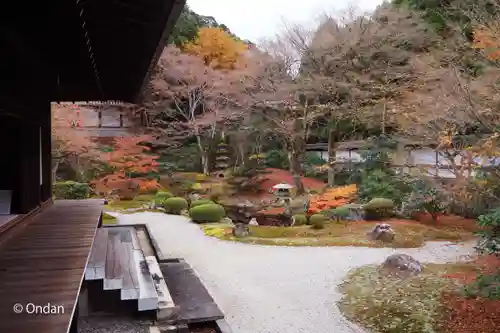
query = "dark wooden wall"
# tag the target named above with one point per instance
(25, 136)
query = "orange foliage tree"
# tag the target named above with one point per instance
(487, 39)
(70, 143)
(127, 165)
(217, 48)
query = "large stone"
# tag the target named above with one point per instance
(402, 263)
(382, 232)
(241, 230)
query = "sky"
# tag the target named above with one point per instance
(258, 19)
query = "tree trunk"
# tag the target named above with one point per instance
(55, 167)
(204, 156)
(295, 170)
(332, 145)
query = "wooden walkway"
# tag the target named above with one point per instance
(42, 264)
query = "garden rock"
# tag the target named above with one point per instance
(241, 230)
(382, 232)
(253, 222)
(402, 263)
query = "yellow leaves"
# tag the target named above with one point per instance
(217, 48)
(487, 39)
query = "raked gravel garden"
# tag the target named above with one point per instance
(274, 289)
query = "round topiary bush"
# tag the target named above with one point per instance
(175, 205)
(164, 195)
(300, 219)
(317, 221)
(207, 213)
(201, 202)
(379, 208)
(161, 196)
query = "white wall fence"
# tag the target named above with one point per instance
(427, 159)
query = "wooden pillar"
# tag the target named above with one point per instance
(30, 196)
(46, 153)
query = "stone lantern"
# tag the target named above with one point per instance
(283, 191)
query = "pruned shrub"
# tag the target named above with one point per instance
(379, 208)
(340, 213)
(71, 190)
(317, 221)
(201, 202)
(175, 205)
(161, 196)
(207, 213)
(300, 219)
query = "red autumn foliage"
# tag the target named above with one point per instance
(478, 315)
(128, 157)
(277, 176)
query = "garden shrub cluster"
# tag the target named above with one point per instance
(175, 205)
(207, 213)
(71, 190)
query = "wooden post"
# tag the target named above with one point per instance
(46, 137)
(83, 302)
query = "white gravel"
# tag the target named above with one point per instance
(275, 289)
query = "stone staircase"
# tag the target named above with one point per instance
(117, 258)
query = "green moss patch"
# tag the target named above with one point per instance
(408, 235)
(385, 303)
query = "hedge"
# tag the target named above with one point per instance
(175, 205)
(207, 213)
(71, 190)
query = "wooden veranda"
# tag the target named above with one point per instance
(41, 266)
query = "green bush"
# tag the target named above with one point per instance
(161, 196)
(207, 213)
(300, 219)
(175, 205)
(317, 221)
(201, 202)
(340, 213)
(379, 208)
(71, 190)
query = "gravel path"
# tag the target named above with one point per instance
(275, 289)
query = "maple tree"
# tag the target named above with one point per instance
(193, 99)
(70, 143)
(127, 166)
(217, 48)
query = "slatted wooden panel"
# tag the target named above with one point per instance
(43, 263)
